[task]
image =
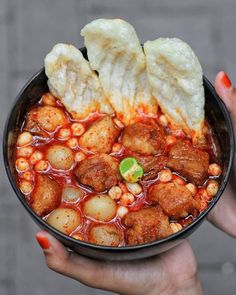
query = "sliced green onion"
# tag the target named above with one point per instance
(131, 170)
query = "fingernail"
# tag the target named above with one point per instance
(43, 242)
(226, 81)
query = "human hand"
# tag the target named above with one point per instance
(224, 213)
(173, 272)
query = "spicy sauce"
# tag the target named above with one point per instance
(32, 160)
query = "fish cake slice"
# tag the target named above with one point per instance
(114, 51)
(176, 80)
(71, 79)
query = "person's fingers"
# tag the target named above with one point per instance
(58, 258)
(227, 93)
(223, 214)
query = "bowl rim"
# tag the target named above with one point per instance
(126, 248)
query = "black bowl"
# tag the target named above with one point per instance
(216, 114)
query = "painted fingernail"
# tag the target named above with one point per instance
(43, 242)
(226, 81)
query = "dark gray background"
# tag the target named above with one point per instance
(28, 30)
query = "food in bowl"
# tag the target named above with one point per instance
(119, 152)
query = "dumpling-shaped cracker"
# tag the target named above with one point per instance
(175, 76)
(71, 80)
(114, 51)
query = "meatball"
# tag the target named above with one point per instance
(48, 118)
(105, 235)
(60, 157)
(152, 165)
(100, 136)
(65, 220)
(144, 139)
(99, 172)
(190, 162)
(175, 199)
(100, 207)
(46, 195)
(146, 225)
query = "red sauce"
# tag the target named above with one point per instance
(43, 142)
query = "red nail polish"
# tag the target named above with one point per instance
(226, 81)
(43, 242)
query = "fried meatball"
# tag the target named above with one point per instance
(100, 136)
(175, 199)
(99, 172)
(46, 195)
(105, 235)
(48, 118)
(190, 162)
(144, 139)
(146, 225)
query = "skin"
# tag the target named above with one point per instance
(223, 216)
(156, 275)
